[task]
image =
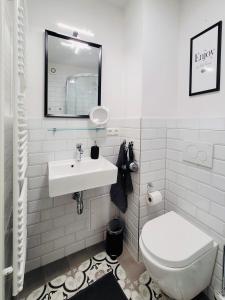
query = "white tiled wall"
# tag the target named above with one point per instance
(198, 193)
(153, 165)
(130, 131)
(195, 192)
(54, 228)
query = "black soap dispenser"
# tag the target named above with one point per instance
(95, 151)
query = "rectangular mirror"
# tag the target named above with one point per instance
(72, 76)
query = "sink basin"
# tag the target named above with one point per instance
(70, 176)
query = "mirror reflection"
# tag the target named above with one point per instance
(73, 76)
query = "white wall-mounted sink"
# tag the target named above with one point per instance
(70, 176)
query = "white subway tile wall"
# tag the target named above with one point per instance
(153, 166)
(53, 224)
(130, 131)
(54, 228)
(196, 192)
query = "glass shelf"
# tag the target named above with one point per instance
(54, 130)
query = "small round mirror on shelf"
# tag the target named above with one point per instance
(99, 115)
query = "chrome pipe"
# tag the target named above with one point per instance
(78, 197)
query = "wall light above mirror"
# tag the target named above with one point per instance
(72, 76)
(76, 29)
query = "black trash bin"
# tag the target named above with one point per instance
(114, 238)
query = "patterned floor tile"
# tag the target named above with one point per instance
(67, 285)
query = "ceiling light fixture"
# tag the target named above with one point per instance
(76, 30)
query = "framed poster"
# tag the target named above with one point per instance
(205, 61)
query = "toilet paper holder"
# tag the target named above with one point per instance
(154, 197)
(149, 187)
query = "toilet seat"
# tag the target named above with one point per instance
(179, 243)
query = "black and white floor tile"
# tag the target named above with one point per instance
(67, 285)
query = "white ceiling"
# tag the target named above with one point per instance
(119, 3)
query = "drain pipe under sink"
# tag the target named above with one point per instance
(78, 197)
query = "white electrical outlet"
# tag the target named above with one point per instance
(112, 131)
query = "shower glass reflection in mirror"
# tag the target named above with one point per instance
(72, 76)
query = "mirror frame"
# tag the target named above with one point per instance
(55, 34)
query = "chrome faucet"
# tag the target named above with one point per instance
(79, 152)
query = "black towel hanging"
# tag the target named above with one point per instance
(123, 186)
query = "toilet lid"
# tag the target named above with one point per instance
(173, 241)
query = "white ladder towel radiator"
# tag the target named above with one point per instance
(19, 149)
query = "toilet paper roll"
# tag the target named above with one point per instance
(154, 198)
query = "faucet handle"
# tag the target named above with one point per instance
(79, 146)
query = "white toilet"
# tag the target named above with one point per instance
(177, 255)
